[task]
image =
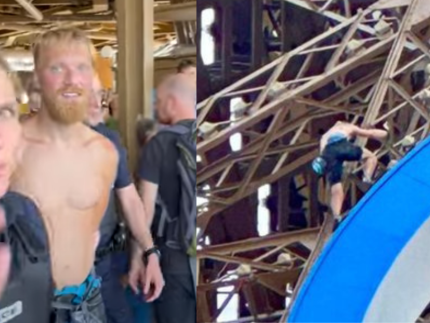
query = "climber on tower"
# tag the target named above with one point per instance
(336, 148)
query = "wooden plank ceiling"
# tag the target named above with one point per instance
(21, 20)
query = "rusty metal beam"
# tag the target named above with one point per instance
(261, 242)
(299, 109)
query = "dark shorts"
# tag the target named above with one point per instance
(335, 154)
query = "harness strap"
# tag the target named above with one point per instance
(79, 292)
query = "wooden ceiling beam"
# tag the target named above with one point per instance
(31, 9)
(177, 12)
(59, 18)
(41, 2)
(274, 240)
(170, 13)
(100, 5)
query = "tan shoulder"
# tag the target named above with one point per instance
(102, 147)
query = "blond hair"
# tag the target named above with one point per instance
(65, 35)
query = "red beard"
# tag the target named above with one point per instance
(67, 110)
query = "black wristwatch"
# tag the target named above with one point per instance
(150, 251)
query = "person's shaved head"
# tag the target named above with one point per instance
(178, 85)
(176, 99)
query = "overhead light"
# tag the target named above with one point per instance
(107, 52)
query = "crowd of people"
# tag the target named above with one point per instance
(69, 201)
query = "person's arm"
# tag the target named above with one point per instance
(149, 176)
(131, 203)
(370, 133)
(148, 193)
(135, 215)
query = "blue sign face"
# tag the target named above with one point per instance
(376, 264)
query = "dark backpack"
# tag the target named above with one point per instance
(28, 294)
(180, 232)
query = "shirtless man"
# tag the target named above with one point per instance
(68, 170)
(336, 148)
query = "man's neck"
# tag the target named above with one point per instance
(188, 115)
(94, 122)
(55, 131)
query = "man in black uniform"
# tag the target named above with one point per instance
(159, 176)
(117, 308)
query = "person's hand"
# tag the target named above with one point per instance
(136, 275)
(154, 282)
(5, 257)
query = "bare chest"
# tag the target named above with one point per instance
(56, 179)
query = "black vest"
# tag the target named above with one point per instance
(28, 295)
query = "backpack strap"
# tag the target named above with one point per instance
(178, 128)
(165, 228)
(188, 208)
(164, 217)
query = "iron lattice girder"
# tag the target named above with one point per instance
(297, 106)
(279, 135)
